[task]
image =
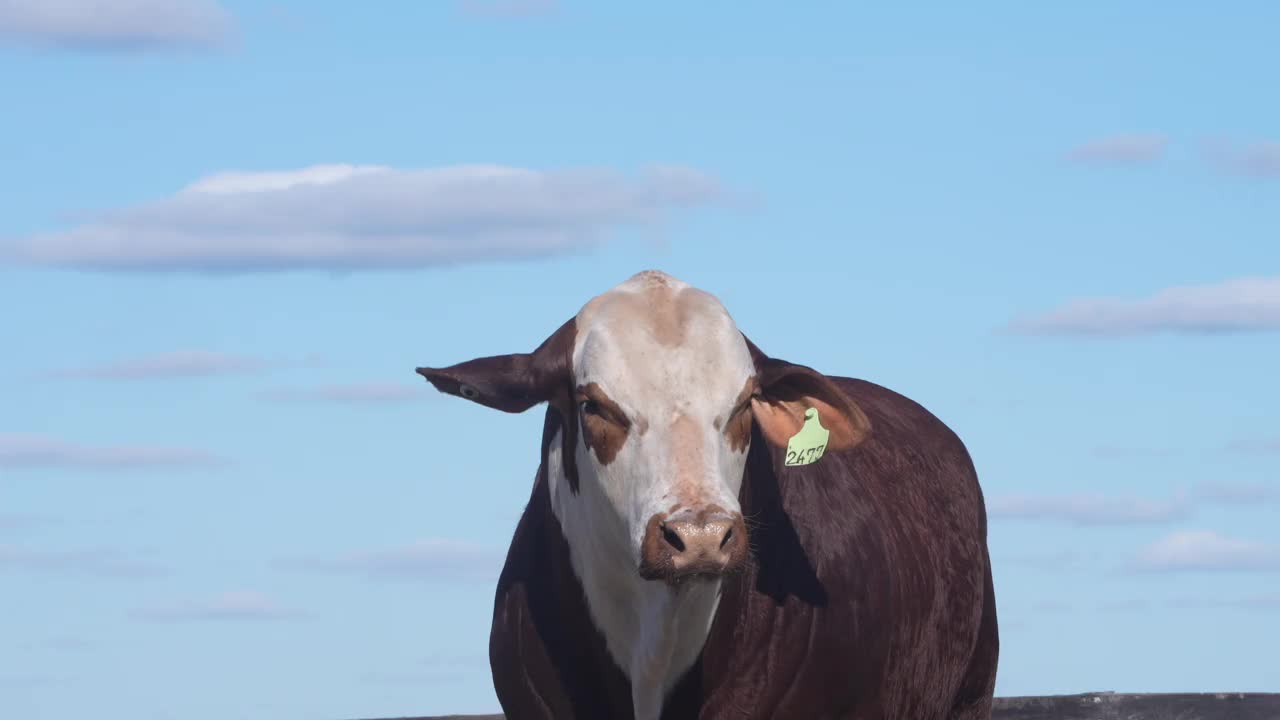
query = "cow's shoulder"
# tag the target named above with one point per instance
(857, 559)
(909, 444)
(897, 416)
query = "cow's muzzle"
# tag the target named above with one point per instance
(708, 542)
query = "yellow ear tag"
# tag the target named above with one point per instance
(807, 446)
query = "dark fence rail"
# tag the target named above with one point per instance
(1101, 706)
(1117, 706)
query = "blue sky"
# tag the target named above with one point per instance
(231, 231)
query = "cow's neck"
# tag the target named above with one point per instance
(653, 632)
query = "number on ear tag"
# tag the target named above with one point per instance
(807, 446)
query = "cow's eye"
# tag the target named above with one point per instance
(589, 407)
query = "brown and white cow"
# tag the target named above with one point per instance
(671, 564)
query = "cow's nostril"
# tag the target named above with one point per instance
(727, 537)
(673, 539)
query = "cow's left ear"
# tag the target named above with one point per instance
(511, 383)
(787, 390)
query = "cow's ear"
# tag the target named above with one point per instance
(511, 383)
(787, 390)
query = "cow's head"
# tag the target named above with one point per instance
(656, 391)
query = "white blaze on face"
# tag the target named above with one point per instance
(670, 359)
(673, 360)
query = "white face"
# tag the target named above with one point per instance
(662, 369)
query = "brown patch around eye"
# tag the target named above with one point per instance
(605, 426)
(738, 428)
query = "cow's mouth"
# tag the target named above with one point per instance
(679, 571)
(685, 580)
(696, 578)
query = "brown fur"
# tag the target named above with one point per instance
(515, 383)
(606, 432)
(867, 594)
(738, 429)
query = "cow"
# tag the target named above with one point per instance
(717, 533)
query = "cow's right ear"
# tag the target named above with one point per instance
(511, 383)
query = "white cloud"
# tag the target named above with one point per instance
(10, 522)
(1131, 149)
(429, 560)
(1258, 160)
(1237, 492)
(343, 217)
(1265, 601)
(19, 450)
(63, 643)
(234, 182)
(97, 563)
(1239, 305)
(356, 393)
(1087, 509)
(1205, 550)
(25, 682)
(114, 25)
(1255, 446)
(236, 605)
(182, 363)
